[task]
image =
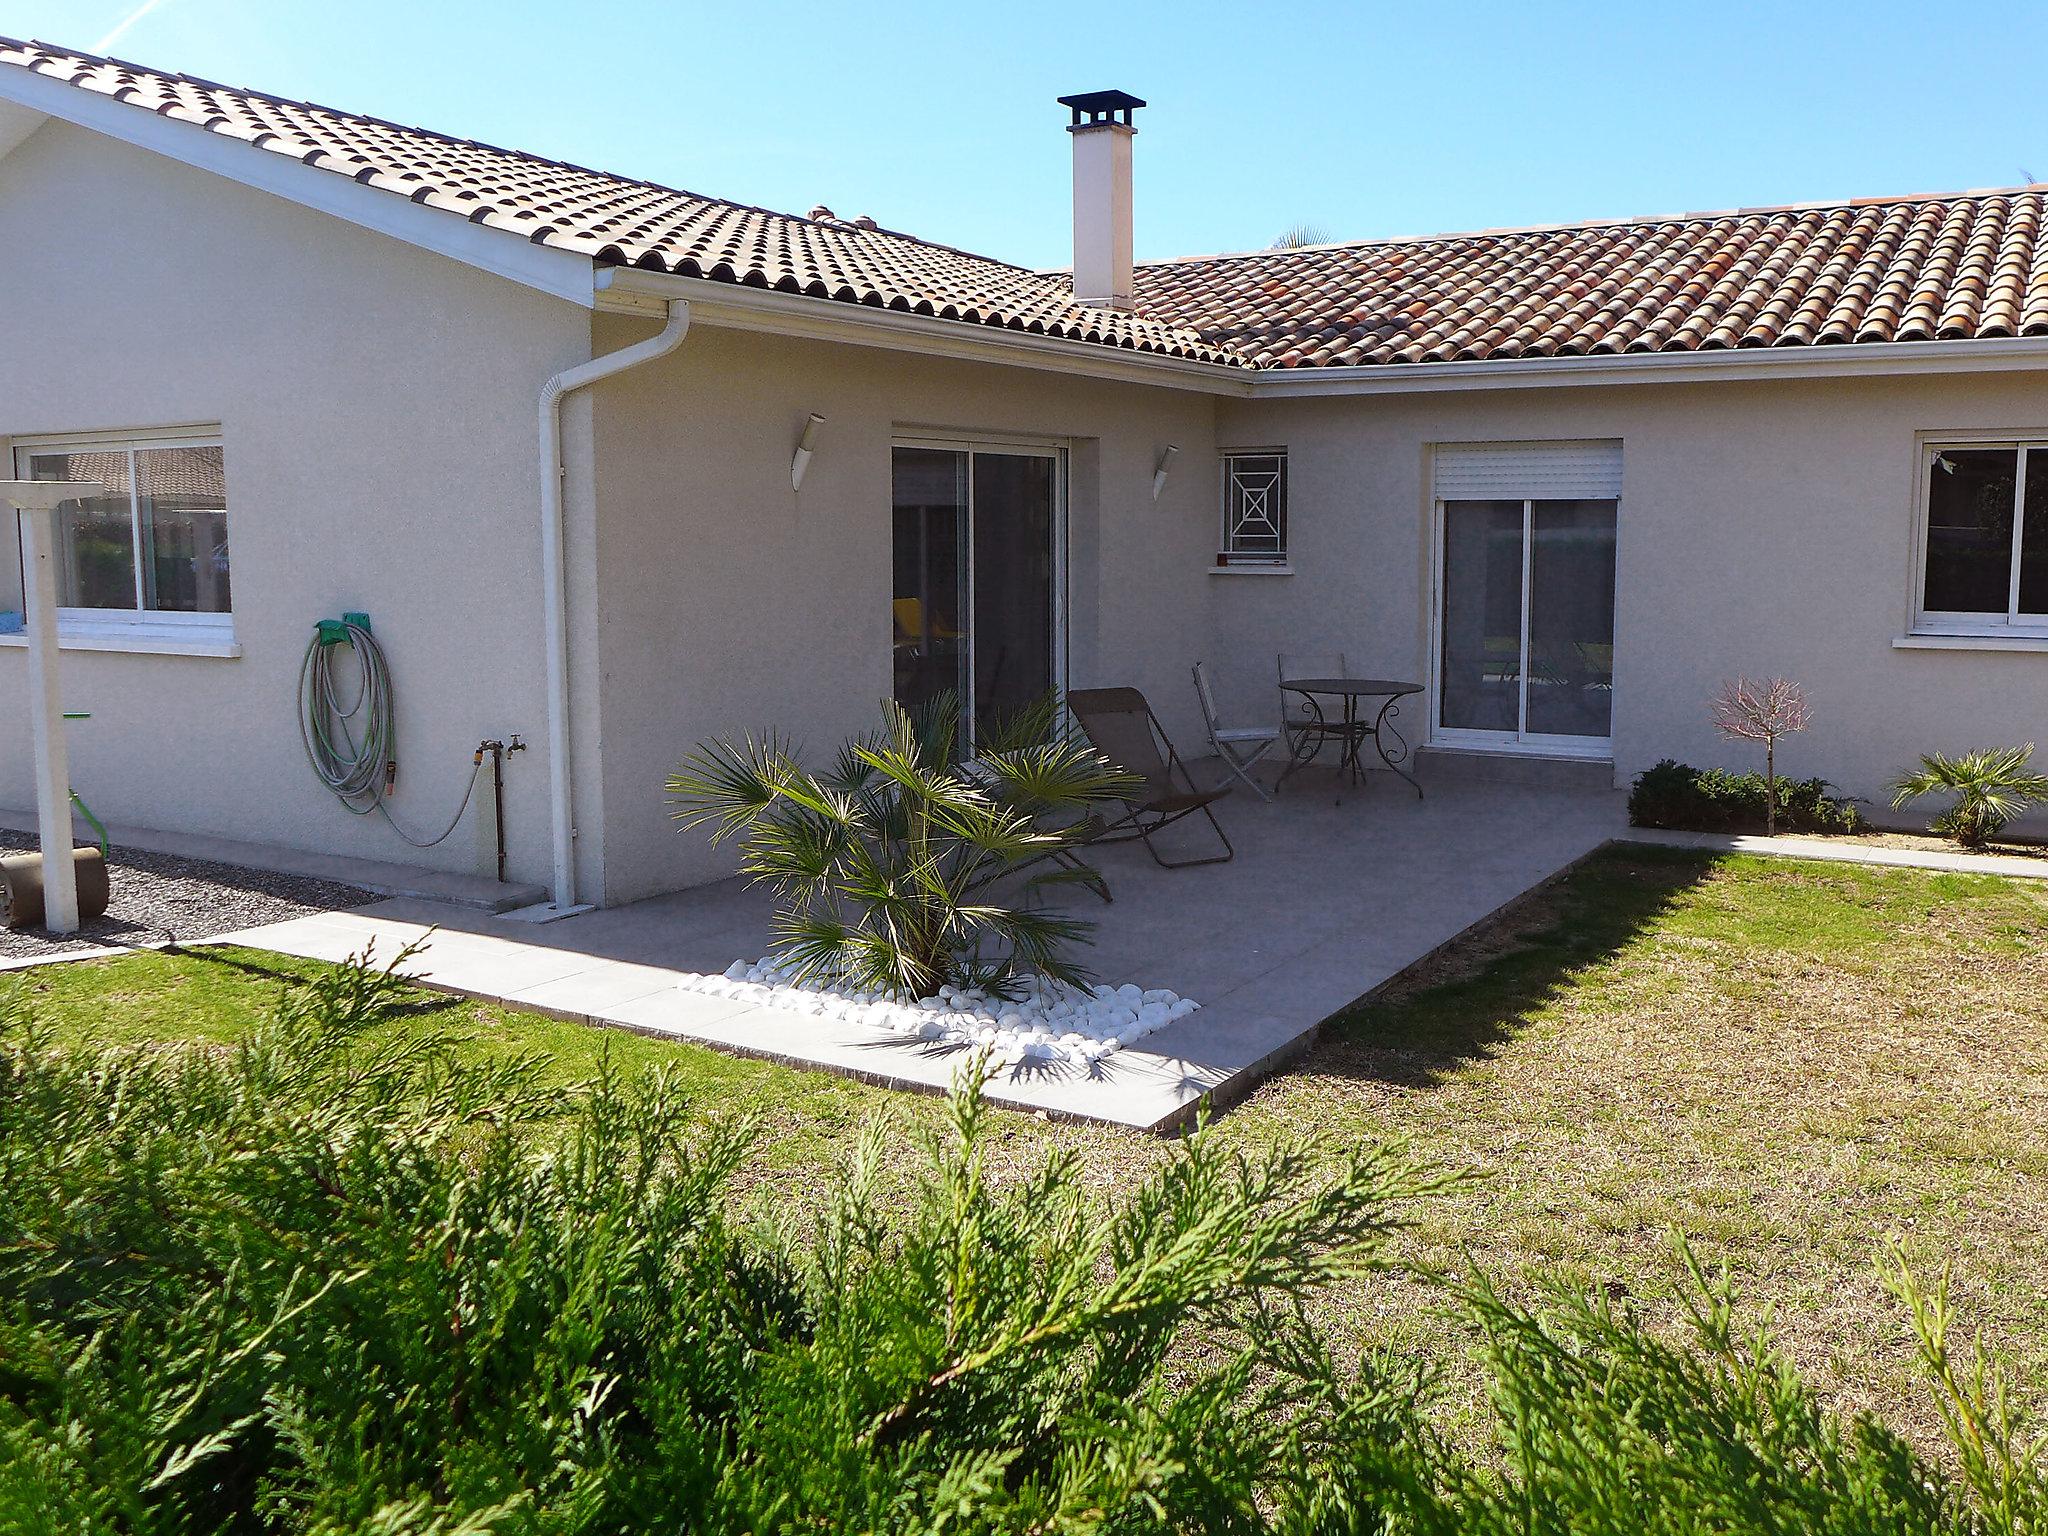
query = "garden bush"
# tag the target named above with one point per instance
(1988, 791)
(885, 864)
(1672, 794)
(340, 1278)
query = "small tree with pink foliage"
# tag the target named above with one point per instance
(1745, 710)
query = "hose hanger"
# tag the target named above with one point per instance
(348, 736)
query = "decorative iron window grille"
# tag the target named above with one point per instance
(1254, 508)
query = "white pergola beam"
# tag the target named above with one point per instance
(37, 501)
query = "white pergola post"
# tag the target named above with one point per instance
(37, 501)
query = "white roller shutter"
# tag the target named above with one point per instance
(1578, 471)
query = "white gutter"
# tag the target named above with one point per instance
(627, 289)
(1863, 359)
(555, 580)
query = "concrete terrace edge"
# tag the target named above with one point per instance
(878, 1079)
(1830, 851)
(1166, 1124)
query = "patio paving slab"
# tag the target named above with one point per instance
(1842, 852)
(1331, 895)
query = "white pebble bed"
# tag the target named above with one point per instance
(1048, 1021)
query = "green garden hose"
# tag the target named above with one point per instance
(351, 744)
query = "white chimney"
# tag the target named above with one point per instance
(1102, 196)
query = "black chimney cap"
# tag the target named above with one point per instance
(1101, 107)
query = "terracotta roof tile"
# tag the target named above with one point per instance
(618, 220)
(1874, 269)
(1910, 269)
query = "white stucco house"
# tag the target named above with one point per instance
(614, 468)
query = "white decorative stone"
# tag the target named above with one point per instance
(1046, 1021)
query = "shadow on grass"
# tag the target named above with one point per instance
(1463, 1003)
(288, 971)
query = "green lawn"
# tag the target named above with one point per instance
(1788, 1062)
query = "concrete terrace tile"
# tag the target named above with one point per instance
(332, 936)
(1224, 1039)
(594, 991)
(290, 928)
(670, 1011)
(500, 973)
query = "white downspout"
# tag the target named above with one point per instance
(555, 581)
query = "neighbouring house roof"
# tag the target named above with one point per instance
(1913, 269)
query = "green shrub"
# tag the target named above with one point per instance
(884, 864)
(339, 1279)
(1672, 794)
(1990, 789)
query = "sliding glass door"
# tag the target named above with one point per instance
(1525, 612)
(978, 602)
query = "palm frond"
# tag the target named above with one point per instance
(849, 773)
(1033, 724)
(814, 943)
(928, 734)
(881, 860)
(726, 784)
(1992, 787)
(1038, 941)
(912, 774)
(992, 829)
(1057, 774)
(798, 851)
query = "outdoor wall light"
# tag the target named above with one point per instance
(1159, 470)
(801, 460)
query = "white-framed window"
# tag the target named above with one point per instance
(1254, 507)
(1982, 566)
(150, 554)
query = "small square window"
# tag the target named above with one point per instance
(1254, 507)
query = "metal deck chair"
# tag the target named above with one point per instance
(1121, 726)
(1238, 747)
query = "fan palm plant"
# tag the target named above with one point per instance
(884, 863)
(1990, 788)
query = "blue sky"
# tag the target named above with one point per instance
(1362, 119)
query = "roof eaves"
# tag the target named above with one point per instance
(550, 269)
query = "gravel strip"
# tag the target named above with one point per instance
(158, 897)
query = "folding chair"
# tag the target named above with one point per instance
(1238, 747)
(1121, 726)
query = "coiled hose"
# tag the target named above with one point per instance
(350, 744)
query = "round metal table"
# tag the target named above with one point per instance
(1352, 731)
